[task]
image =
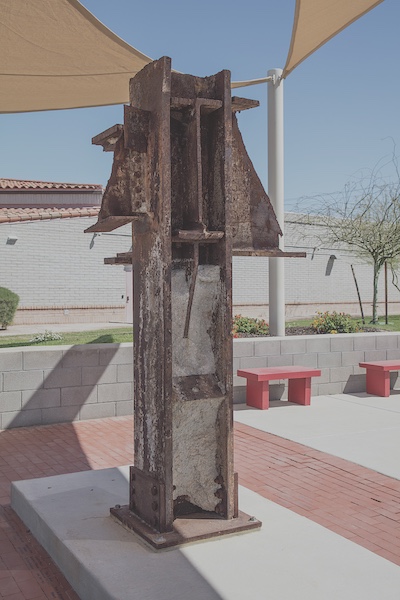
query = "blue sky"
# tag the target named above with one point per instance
(342, 104)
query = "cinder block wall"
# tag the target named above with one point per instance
(55, 384)
(58, 384)
(337, 356)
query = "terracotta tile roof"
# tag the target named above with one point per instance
(13, 215)
(22, 185)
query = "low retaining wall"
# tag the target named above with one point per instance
(336, 355)
(54, 384)
(66, 383)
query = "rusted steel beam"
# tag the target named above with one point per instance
(182, 176)
(108, 138)
(271, 253)
(122, 258)
(109, 224)
(239, 104)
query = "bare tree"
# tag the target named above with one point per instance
(364, 218)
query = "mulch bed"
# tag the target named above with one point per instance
(311, 331)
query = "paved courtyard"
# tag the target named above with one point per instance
(279, 454)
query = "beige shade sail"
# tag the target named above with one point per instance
(55, 54)
(317, 21)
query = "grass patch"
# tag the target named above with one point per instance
(125, 335)
(101, 336)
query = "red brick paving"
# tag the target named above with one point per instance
(357, 503)
(26, 570)
(353, 501)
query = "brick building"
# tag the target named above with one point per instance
(45, 257)
(60, 276)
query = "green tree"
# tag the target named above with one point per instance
(364, 218)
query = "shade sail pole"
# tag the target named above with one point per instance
(276, 195)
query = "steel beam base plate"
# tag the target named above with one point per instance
(191, 528)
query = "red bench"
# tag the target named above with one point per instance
(378, 376)
(257, 390)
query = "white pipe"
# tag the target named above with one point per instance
(239, 84)
(276, 195)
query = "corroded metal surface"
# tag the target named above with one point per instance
(254, 224)
(192, 528)
(182, 176)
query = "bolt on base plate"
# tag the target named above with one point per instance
(191, 528)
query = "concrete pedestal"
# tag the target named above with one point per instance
(289, 557)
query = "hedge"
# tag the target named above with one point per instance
(8, 306)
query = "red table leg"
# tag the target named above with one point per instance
(378, 382)
(257, 394)
(299, 391)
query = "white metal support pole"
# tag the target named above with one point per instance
(276, 195)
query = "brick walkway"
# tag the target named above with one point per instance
(355, 502)
(26, 570)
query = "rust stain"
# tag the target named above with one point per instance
(182, 176)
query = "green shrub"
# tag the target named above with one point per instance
(8, 306)
(333, 322)
(249, 326)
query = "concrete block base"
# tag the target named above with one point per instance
(289, 557)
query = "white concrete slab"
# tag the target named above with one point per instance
(290, 557)
(357, 427)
